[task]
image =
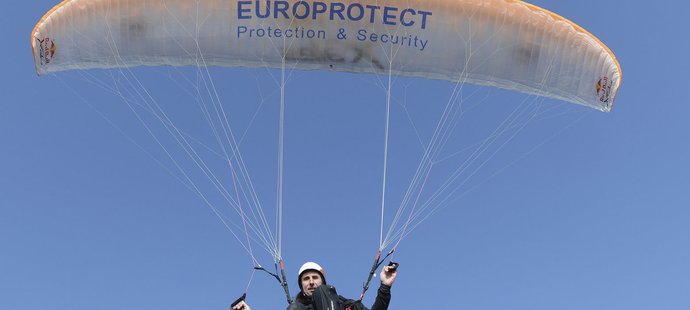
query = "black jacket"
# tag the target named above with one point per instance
(326, 298)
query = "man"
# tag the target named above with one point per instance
(315, 294)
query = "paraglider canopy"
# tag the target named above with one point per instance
(507, 44)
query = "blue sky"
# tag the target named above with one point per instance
(588, 211)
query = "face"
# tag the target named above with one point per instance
(310, 281)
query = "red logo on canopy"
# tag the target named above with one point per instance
(603, 88)
(47, 49)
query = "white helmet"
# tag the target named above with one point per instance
(310, 266)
